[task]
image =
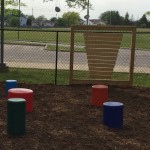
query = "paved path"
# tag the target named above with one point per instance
(38, 57)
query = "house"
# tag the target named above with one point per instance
(23, 21)
(5, 21)
(95, 22)
(47, 23)
(44, 23)
(82, 22)
(36, 23)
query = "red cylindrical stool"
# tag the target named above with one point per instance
(27, 94)
(99, 94)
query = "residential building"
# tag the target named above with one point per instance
(23, 21)
(94, 22)
(44, 23)
(47, 23)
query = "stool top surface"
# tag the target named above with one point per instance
(20, 90)
(16, 100)
(100, 86)
(112, 104)
(11, 80)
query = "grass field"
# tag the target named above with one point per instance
(39, 76)
(49, 36)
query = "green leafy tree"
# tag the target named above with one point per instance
(41, 18)
(143, 22)
(71, 18)
(126, 19)
(30, 18)
(60, 22)
(11, 17)
(68, 19)
(8, 3)
(12, 12)
(53, 19)
(147, 13)
(80, 3)
(13, 21)
(112, 17)
(148, 16)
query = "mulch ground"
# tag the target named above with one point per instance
(63, 119)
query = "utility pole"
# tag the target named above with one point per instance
(87, 17)
(110, 18)
(19, 20)
(2, 64)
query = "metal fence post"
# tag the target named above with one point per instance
(57, 33)
(2, 31)
(2, 65)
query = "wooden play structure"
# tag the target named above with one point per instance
(102, 44)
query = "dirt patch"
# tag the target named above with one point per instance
(63, 118)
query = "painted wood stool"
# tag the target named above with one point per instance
(10, 84)
(113, 114)
(16, 115)
(99, 94)
(27, 94)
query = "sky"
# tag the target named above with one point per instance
(134, 7)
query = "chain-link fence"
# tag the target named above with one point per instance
(42, 56)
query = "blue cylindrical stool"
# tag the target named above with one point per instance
(16, 115)
(113, 114)
(10, 84)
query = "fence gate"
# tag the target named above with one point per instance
(101, 45)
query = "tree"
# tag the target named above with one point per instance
(126, 19)
(112, 17)
(68, 19)
(143, 22)
(30, 19)
(80, 3)
(8, 3)
(41, 18)
(73, 3)
(13, 21)
(147, 13)
(53, 20)
(12, 12)
(60, 22)
(71, 18)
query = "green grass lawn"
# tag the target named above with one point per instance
(39, 76)
(49, 36)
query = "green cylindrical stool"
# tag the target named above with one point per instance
(16, 116)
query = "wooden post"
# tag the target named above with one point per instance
(71, 55)
(132, 56)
